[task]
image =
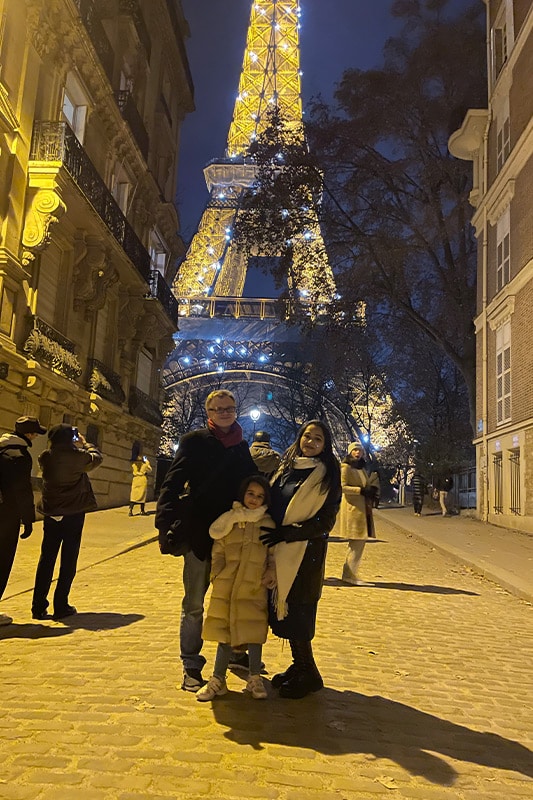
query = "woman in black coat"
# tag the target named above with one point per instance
(306, 495)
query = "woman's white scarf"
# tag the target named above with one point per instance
(304, 504)
(237, 515)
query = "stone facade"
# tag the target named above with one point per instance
(499, 142)
(92, 97)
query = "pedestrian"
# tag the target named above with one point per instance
(444, 485)
(265, 458)
(306, 494)
(418, 485)
(242, 570)
(360, 492)
(139, 484)
(212, 462)
(17, 505)
(67, 495)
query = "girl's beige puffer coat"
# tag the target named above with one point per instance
(237, 611)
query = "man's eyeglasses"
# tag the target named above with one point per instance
(223, 409)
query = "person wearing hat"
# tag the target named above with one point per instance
(360, 492)
(265, 459)
(16, 494)
(67, 495)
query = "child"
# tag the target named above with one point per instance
(242, 569)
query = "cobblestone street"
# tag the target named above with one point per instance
(428, 676)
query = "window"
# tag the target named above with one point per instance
(502, 35)
(120, 188)
(514, 465)
(503, 373)
(503, 254)
(75, 105)
(158, 252)
(7, 311)
(497, 464)
(144, 370)
(503, 141)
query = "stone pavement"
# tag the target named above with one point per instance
(429, 687)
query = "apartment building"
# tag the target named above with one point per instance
(499, 142)
(92, 97)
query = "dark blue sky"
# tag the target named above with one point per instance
(335, 34)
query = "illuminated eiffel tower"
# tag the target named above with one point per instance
(224, 335)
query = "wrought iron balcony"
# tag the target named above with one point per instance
(143, 406)
(90, 16)
(55, 141)
(160, 289)
(50, 347)
(104, 382)
(130, 114)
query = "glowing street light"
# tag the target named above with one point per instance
(254, 416)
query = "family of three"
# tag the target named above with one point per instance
(262, 544)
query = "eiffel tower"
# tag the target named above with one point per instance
(223, 336)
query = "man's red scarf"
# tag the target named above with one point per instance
(229, 439)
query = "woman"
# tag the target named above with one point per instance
(139, 484)
(67, 495)
(360, 490)
(305, 500)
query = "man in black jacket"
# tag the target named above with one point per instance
(67, 495)
(212, 461)
(16, 494)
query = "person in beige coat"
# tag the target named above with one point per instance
(360, 491)
(139, 485)
(242, 570)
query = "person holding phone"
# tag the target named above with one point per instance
(139, 485)
(67, 495)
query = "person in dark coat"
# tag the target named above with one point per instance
(265, 458)
(67, 495)
(418, 485)
(306, 494)
(16, 494)
(444, 485)
(212, 462)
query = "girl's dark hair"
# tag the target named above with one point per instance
(263, 483)
(332, 476)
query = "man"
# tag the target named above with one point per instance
(444, 485)
(16, 494)
(212, 461)
(265, 459)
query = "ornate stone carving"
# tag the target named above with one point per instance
(46, 207)
(93, 274)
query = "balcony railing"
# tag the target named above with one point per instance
(91, 19)
(143, 406)
(130, 114)
(55, 141)
(104, 382)
(160, 290)
(50, 347)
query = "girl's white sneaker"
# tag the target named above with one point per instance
(256, 687)
(213, 688)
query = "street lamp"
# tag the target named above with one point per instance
(254, 416)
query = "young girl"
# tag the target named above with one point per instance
(242, 570)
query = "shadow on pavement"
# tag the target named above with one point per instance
(337, 723)
(99, 621)
(402, 587)
(31, 630)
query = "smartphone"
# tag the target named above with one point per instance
(75, 435)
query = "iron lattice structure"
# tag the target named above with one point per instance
(224, 338)
(270, 78)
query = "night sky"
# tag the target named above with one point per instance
(335, 34)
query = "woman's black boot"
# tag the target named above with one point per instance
(131, 510)
(282, 677)
(305, 677)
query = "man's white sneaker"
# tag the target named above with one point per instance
(213, 688)
(256, 687)
(5, 619)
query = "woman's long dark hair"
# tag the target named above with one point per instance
(327, 455)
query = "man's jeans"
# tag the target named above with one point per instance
(195, 584)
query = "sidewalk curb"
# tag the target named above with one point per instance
(500, 577)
